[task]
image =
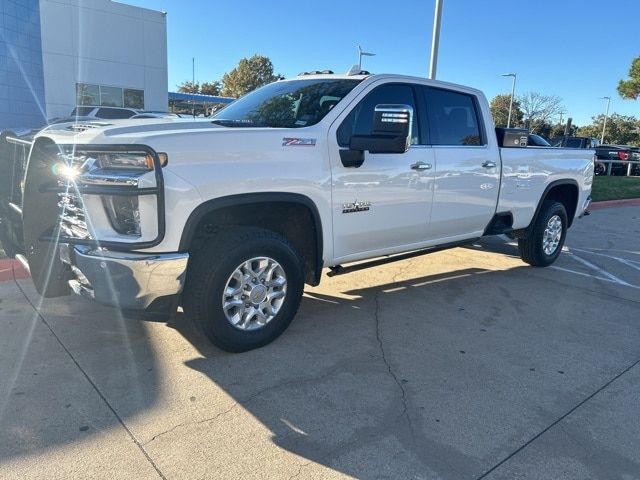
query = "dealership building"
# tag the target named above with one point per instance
(56, 54)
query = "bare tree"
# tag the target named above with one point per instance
(539, 109)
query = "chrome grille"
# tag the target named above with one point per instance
(73, 222)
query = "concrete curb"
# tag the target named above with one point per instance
(628, 202)
(10, 269)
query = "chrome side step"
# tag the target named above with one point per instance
(341, 270)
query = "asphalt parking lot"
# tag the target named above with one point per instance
(463, 364)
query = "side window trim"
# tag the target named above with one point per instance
(423, 116)
(480, 121)
(416, 114)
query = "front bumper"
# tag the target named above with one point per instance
(125, 280)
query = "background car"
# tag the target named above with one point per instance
(157, 115)
(103, 112)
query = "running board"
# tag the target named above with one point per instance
(341, 270)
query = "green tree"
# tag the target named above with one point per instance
(250, 74)
(211, 88)
(189, 87)
(621, 129)
(500, 110)
(630, 88)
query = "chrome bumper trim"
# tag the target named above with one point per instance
(123, 279)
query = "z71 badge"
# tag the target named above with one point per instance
(356, 206)
(298, 142)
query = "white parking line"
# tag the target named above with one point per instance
(630, 263)
(555, 267)
(601, 271)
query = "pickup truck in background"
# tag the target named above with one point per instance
(575, 142)
(614, 160)
(229, 217)
(610, 159)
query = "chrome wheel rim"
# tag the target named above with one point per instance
(552, 235)
(254, 293)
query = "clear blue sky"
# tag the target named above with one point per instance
(576, 49)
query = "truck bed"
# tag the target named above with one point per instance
(527, 172)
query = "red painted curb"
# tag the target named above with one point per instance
(10, 267)
(628, 202)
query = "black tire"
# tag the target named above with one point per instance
(211, 266)
(532, 247)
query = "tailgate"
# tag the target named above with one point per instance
(30, 212)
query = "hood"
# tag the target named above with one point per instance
(187, 140)
(103, 132)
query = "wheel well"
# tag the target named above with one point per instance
(295, 221)
(567, 194)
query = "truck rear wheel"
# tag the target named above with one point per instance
(244, 287)
(545, 241)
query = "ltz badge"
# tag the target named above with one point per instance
(356, 206)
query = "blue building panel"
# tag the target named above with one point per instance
(21, 75)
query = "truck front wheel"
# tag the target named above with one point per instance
(544, 243)
(244, 287)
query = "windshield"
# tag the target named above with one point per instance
(538, 141)
(291, 104)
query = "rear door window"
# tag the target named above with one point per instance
(453, 118)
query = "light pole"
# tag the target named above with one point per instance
(193, 83)
(606, 114)
(513, 91)
(362, 53)
(435, 40)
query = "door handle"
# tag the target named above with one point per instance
(421, 166)
(489, 164)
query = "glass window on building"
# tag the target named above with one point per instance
(133, 98)
(110, 96)
(87, 94)
(105, 96)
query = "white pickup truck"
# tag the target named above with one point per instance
(231, 216)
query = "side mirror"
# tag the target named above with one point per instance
(390, 133)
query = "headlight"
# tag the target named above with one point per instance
(124, 213)
(130, 160)
(125, 161)
(116, 188)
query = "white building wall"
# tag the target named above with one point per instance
(102, 42)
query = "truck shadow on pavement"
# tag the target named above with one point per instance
(436, 376)
(439, 376)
